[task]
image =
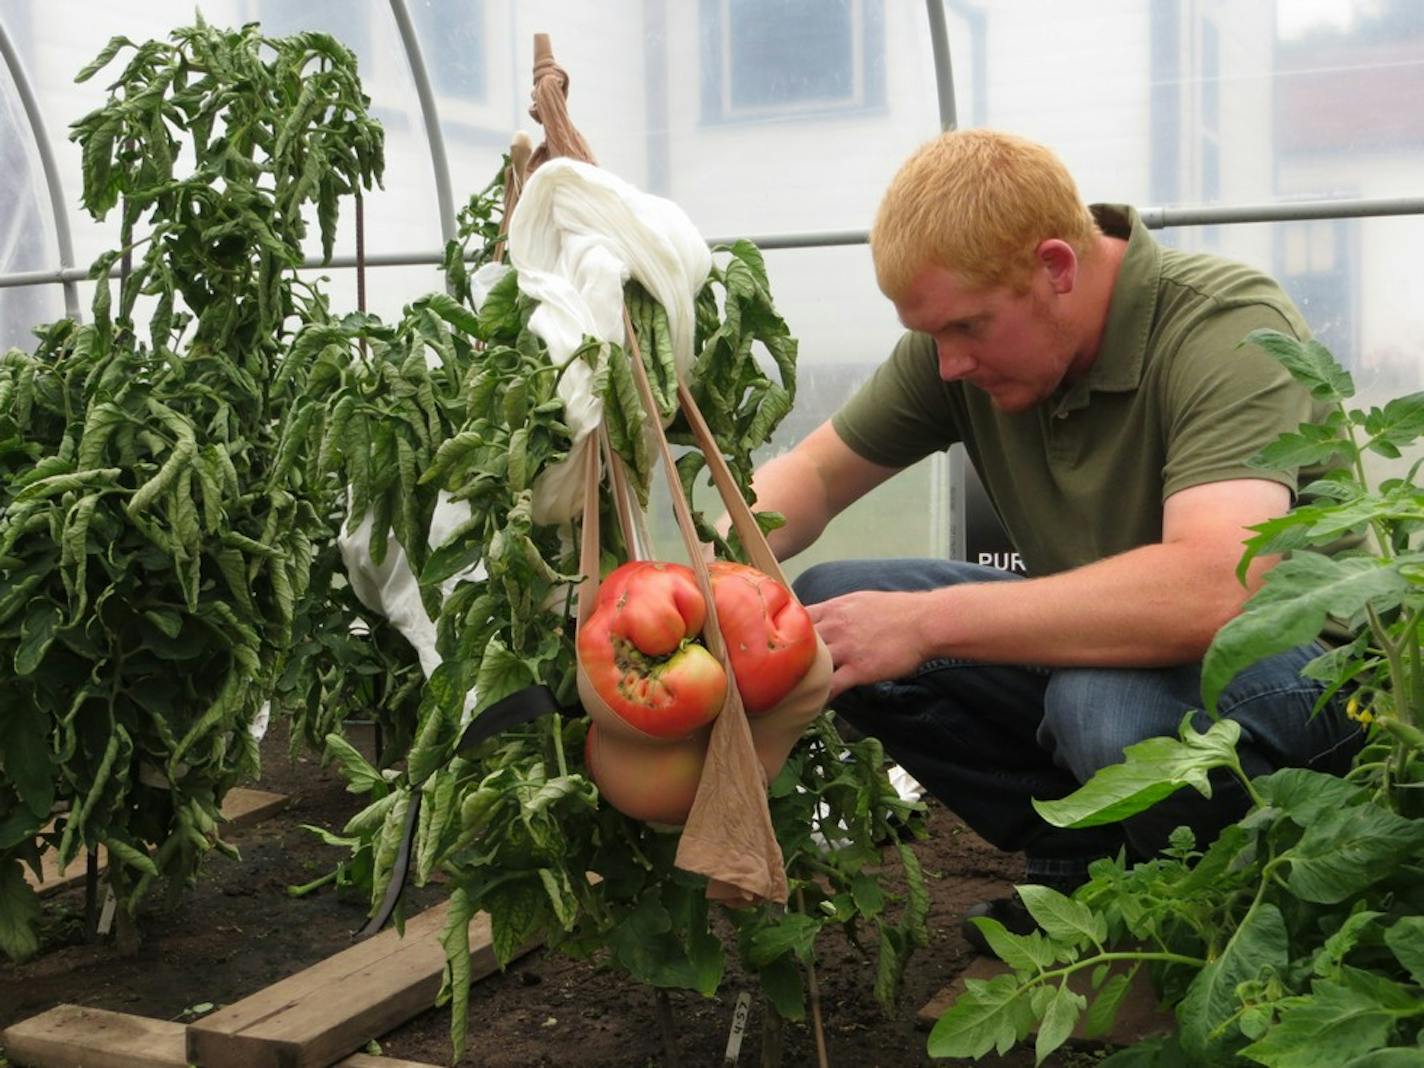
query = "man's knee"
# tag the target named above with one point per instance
(1091, 716)
(821, 582)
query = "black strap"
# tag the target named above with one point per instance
(522, 706)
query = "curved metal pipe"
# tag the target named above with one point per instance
(51, 173)
(443, 197)
(944, 69)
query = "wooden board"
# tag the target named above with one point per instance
(320, 1014)
(1139, 1016)
(240, 808)
(68, 1036)
(71, 1036)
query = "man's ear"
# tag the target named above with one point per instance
(1060, 262)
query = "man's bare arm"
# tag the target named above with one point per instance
(812, 484)
(1152, 606)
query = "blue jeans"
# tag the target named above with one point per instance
(984, 739)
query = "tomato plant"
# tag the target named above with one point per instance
(516, 825)
(161, 502)
(1295, 939)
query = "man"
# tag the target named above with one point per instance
(1098, 384)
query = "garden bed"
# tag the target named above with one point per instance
(240, 931)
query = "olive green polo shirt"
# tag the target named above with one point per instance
(1172, 401)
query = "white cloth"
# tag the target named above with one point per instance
(390, 587)
(576, 236)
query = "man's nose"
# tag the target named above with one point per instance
(953, 363)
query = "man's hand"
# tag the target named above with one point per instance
(872, 636)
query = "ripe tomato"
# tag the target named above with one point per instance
(636, 650)
(770, 640)
(649, 782)
(657, 604)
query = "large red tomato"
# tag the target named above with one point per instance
(650, 782)
(770, 640)
(636, 649)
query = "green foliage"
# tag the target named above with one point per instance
(516, 827)
(160, 500)
(1296, 939)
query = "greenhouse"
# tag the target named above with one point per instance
(736, 531)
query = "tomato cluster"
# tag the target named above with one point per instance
(638, 652)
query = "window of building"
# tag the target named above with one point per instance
(769, 59)
(454, 38)
(348, 23)
(1314, 262)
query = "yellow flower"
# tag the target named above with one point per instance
(1355, 712)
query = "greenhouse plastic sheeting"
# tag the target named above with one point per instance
(768, 117)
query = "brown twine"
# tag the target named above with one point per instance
(550, 109)
(515, 175)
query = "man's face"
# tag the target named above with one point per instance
(1011, 345)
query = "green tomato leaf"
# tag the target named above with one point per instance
(130, 855)
(26, 758)
(1336, 1024)
(1299, 595)
(1307, 796)
(784, 987)
(1309, 363)
(1057, 1023)
(1152, 770)
(501, 673)
(455, 986)
(1406, 941)
(793, 933)
(37, 633)
(1103, 1010)
(1061, 917)
(1259, 943)
(996, 1015)
(1012, 949)
(361, 776)
(1328, 958)
(19, 912)
(1347, 850)
(1395, 426)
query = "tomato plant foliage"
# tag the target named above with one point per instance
(1296, 939)
(516, 825)
(162, 503)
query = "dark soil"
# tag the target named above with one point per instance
(240, 930)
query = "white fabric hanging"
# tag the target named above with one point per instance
(576, 236)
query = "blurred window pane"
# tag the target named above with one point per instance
(1211, 76)
(1313, 265)
(780, 54)
(348, 23)
(773, 58)
(454, 40)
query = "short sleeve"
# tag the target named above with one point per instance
(1226, 401)
(901, 414)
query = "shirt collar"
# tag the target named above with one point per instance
(1118, 367)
